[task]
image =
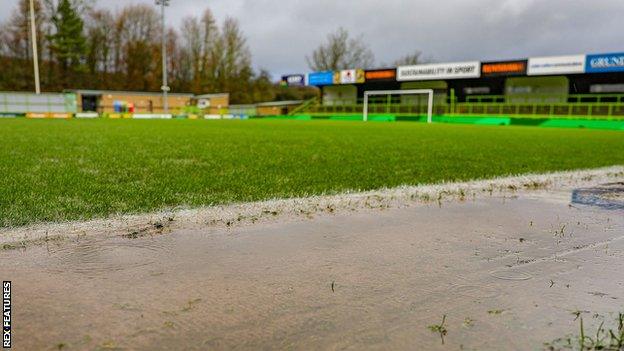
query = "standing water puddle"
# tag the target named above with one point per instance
(98, 256)
(378, 281)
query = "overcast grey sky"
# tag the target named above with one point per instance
(282, 32)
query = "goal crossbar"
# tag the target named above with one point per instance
(429, 92)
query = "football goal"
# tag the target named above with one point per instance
(428, 92)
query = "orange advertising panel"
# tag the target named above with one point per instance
(384, 74)
(508, 68)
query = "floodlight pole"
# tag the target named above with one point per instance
(165, 86)
(33, 38)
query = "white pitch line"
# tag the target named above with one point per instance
(302, 208)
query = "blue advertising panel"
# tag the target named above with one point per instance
(605, 63)
(321, 78)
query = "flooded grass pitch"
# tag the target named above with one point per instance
(511, 273)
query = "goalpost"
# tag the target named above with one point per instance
(429, 92)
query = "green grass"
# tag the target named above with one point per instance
(604, 338)
(80, 169)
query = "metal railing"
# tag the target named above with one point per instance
(547, 98)
(301, 109)
(585, 106)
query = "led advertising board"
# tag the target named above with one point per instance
(504, 68)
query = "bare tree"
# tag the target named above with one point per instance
(16, 43)
(140, 31)
(100, 26)
(415, 58)
(179, 65)
(16, 32)
(201, 43)
(234, 70)
(192, 43)
(212, 47)
(340, 51)
(81, 6)
(140, 23)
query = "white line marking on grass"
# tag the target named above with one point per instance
(235, 215)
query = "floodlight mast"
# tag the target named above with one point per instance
(429, 93)
(165, 86)
(33, 38)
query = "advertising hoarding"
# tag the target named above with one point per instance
(381, 74)
(293, 80)
(556, 65)
(440, 71)
(504, 68)
(349, 76)
(321, 78)
(605, 63)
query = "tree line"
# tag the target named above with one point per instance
(81, 46)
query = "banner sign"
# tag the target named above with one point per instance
(349, 76)
(381, 74)
(504, 68)
(556, 65)
(87, 115)
(294, 80)
(60, 115)
(152, 116)
(605, 63)
(321, 78)
(11, 115)
(36, 115)
(440, 71)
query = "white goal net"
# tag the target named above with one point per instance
(428, 92)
